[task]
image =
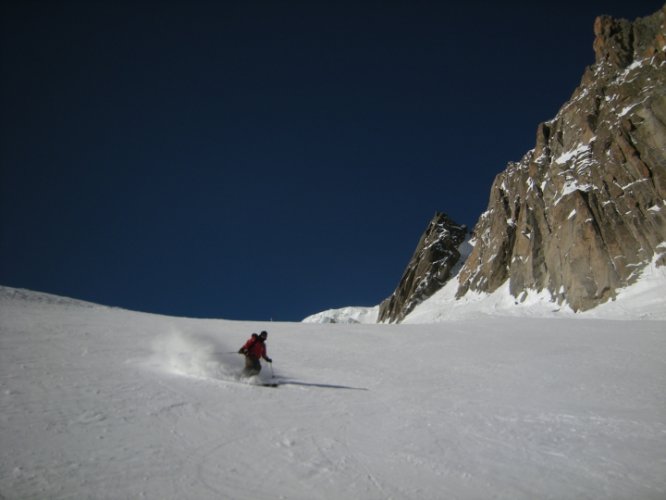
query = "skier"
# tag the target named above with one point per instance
(254, 349)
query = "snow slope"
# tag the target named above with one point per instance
(350, 314)
(106, 403)
(645, 299)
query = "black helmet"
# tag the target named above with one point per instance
(263, 334)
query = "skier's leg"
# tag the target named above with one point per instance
(252, 366)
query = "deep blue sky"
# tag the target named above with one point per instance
(257, 160)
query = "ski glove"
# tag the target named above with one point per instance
(269, 360)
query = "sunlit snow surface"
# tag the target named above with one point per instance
(106, 403)
(643, 300)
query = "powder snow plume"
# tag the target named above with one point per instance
(195, 355)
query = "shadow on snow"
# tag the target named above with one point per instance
(323, 386)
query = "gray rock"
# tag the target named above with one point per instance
(428, 270)
(583, 213)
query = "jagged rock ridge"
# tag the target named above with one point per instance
(428, 270)
(583, 213)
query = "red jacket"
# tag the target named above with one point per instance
(255, 347)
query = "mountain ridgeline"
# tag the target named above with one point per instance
(582, 213)
(429, 269)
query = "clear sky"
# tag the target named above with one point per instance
(263, 160)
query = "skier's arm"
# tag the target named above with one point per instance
(246, 347)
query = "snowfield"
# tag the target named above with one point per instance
(643, 300)
(107, 403)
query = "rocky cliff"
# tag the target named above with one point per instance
(429, 269)
(583, 212)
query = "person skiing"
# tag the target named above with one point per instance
(254, 350)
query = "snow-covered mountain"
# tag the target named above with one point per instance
(583, 213)
(97, 402)
(438, 256)
(581, 217)
(348, 315)
(645, 299)
(499, 392)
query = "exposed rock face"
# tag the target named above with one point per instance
(428, 270)
(583, 213)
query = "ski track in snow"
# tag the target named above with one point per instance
(106, 403)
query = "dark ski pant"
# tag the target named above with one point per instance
(252, 366)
